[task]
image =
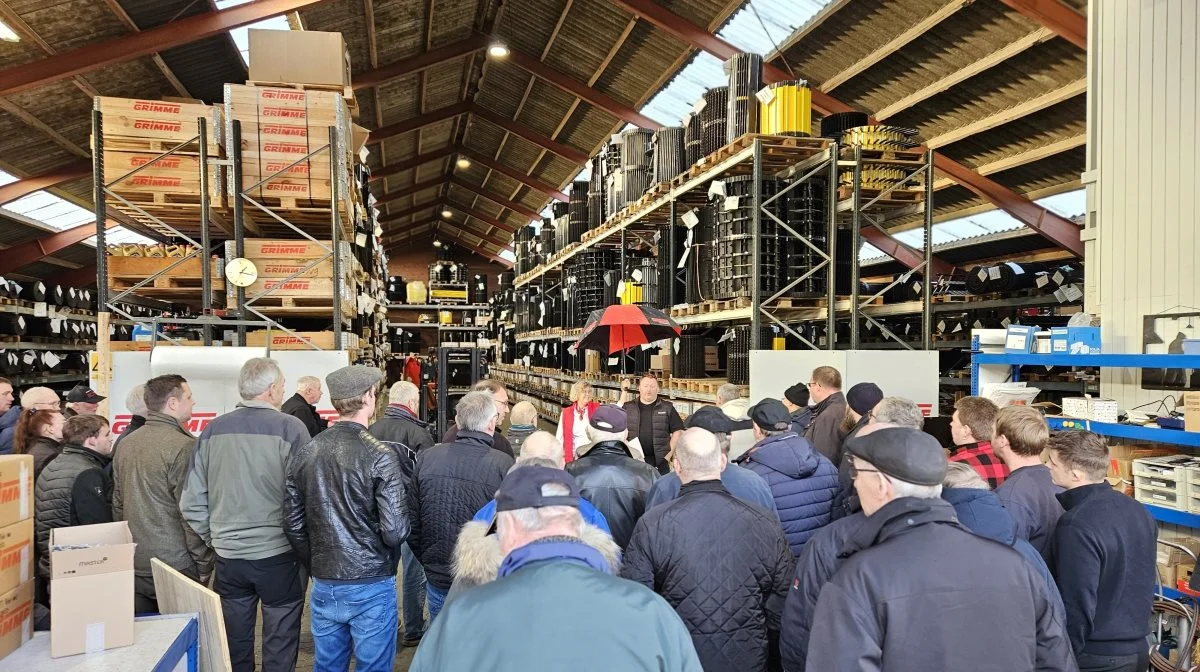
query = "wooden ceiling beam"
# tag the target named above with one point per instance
(420, 121)
(565, 151)
(482, 236)
(1008, 114)
(490, 221)
(419, 63)
(407, 212)
(960, 75)
(517, 175)
(481, 192)
(91, 57)
(483, 252)
(580, 90)
(1022, 158)
(895, 44)
(21, 188)
(411, 190)
(1053, 14)
(415, 162)
(1057, 229)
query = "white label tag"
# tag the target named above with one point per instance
(360, 240)
(637, 275)
(698, 107)
(1042, 281)
(729, 333)
(690, 218)
(941, 325)
(51, 360)
(982, 274)
(573, 349)
(716, 188)
(684, 257)
(957, 328)
(1061, 295)
(39, 310)
(675, 347)
(607, 280)
(94, 639)
(765, 95)
(977, 324)
(1073, 293)
(1006, 322)
(526, 360)
(994, 273)
(731, 203)
(621, 288)
(1059, 277)
(613, 361)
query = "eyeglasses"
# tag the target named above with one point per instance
(812, 384)
(855, 471)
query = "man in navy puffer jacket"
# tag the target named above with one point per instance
(803, 482)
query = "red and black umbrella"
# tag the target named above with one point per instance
(619, 328)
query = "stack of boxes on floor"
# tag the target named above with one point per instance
(288, 133)
(16, 552)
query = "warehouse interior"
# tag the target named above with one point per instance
(947, 198)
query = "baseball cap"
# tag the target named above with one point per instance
(522, 489)
(714, 420)
(83, 394)
(904, 453)
(771, 414)
(610, 418)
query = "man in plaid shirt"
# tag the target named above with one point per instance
(972, 427)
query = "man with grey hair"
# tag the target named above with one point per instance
(552, 579)
(404, 432)
(500, 399)
(911, 569)
(33, 398)
(234, 500)
(736, 408)
(135, 403)
(450, 482)
(723, 564)
(303, 404)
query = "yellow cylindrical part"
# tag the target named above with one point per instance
(445, 317)
(632, 293)
(789, 111)
(779, 343)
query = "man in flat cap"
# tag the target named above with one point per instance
(346, 518)
(917, 591)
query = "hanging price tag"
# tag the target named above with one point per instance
(613, 361)
(957, 328)
(1073, 293)
(360, 239)
(994, 273)
(676, 346)
(526, 360)
(1042, 281)
(40, 310)
(573, 349)
(982, 275)
(1005, 322)
(729, 333)
(621, 288)
(637, 275)
(716, 188)
(765, 95)
(731, 203)
(941, 326)
(690, 218)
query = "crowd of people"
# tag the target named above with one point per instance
(824, 531)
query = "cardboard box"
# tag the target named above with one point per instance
(1075, 340)
(16, 554)
(712, 360)
(1191, 411)
(91, 588)
(281, 340)
(1020, 338)
(299, 57)
(16, 488)
(16, 618)
(1120, 463)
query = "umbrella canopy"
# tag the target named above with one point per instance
(619, 328)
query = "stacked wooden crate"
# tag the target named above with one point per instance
(284, 166)
(311, 292)
(136, 136)
(169, 278)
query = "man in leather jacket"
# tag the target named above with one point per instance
(346, 518)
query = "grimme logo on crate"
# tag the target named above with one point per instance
(278, 129)
(154, 106)
(15, 618)
(196, 425)
(284, 249)
(157, 125)
(277, 166)
(282, 94)
(284, 148)
(155, 181)
(284, 112)
(12, 556)
(299, 285)
(165, 162)
(277, 187)
(282, 269)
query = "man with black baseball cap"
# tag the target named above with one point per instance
(82, 400)
(911, 570)
(553, 580)
(803, 482)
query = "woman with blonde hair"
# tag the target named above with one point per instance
(573, 423)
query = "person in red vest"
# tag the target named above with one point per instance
(572, 424)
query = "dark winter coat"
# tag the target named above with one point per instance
(44, 450)
(723, 564)
(135, 423)
(74, 489)
(1104, 555)
(918, 592)
(802, 482)
(404, 432)
(825, 429)
(499, 442)
(8, 429)
(450, 482)
(616, 483)
(665, 420)
(299, 407)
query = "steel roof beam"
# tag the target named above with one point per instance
(419, 63)
(24, 187)
(135, 45)
(30, 251)
(582, 91)
(517, 175)
(1053, 14)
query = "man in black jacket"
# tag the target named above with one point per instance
(653, 421)
(610, 476)
(346, 518)
(825, 427)
(500, 400)
(303, 404)
(1103, 557)
(401, 430)
(911, 570)
(450, 482)
(723, 564)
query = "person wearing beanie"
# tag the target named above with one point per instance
(795, 400)
(611, 475)
(912, 569)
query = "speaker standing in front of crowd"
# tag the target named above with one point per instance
(653, 421)
(234, 500)
(149, 474)
(346, 518)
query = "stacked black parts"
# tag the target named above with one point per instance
(714, 118)
(668, 153)
(745, 79)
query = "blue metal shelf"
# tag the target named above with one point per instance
(1174, 594)
(1110, 360)
(1132, 432)
(1164, 515)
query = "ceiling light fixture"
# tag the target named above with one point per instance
(446, 214)
(437, 243)
(463, 162)
(498, 50)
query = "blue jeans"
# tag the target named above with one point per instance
(436, 598)
(412, 593)
(364, 614)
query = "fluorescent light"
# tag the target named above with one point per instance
(9, 35)
(498, 50)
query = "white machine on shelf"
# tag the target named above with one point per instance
(212, 373)
(912, 374)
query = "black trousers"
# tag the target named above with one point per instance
(277, 583)
(1138, 662)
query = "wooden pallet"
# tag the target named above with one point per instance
(899, 196)
(698, 385)
(952, 298)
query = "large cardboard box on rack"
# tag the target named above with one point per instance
(91, 588)
(16, 488)
(1174, 564)
(16, 554)
(16, 618)
(299, 57)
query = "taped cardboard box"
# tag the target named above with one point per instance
(299, 56)
(16, 618)
(91, 588)
(16, 488)
(16, 554)
(1120, 464)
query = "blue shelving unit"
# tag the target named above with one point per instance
(1131, 432)
(1174, 517)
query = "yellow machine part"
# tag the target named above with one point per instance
(448, 294)
(632, 293)
(789, 112)
(779, 343)
(445, 317)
